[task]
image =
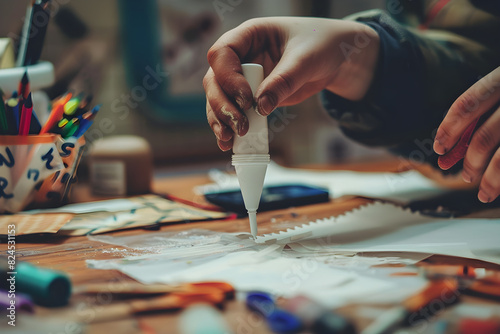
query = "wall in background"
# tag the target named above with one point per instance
(94, 62)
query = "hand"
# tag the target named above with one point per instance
(300, 56)
(482, 160)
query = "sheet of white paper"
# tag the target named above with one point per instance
(196, 255)
(262, 269)
(398, 187)
(382, 227)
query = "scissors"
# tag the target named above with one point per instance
(172, 297)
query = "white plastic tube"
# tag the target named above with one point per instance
(251, 151)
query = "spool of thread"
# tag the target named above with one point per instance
(45, 287)
(120, 166)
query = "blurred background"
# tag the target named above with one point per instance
(145, 60)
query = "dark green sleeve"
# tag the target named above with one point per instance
(418, 77)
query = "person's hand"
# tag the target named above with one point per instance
(482, 159)
(300, 56)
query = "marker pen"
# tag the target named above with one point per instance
(46, 287)
(251, 151)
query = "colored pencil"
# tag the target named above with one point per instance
(56, 114)
(27, 110)
(24, 86)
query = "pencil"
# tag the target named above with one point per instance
(27, 110)
(24, 86)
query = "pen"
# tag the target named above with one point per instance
(13, 103)
(45, 286)
(41, 17)
(23, 43)
(70, 128)
(71, 106)
(27, 110)
(84, 126)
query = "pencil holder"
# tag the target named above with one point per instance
(37, 171)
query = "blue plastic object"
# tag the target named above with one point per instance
(278, 320)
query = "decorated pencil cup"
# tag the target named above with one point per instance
(37, 171)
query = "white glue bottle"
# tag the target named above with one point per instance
(251, 151)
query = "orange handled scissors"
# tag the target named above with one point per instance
(173, 297)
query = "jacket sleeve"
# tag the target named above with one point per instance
(418, 77)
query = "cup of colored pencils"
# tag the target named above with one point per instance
(39, 156)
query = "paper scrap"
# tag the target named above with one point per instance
(385, 227)
(143, 211)
(396, 187)
(197, 255)
(31, 224)
(105, 216)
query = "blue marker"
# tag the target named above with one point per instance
(84, 126)
(278, 320)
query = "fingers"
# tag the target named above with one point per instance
(223, 134)
(286, 78)
(483, 145)
(225, 58)
(477, 100)
(223, 111)
(221, 131)
(489, 188)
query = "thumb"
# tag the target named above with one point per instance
(286, 78)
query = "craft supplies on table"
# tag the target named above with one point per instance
(38, 162)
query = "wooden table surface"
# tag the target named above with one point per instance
(69, 255)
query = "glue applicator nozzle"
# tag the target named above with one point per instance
(252, 216)
(251, 151)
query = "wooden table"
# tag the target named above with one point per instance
(69, 255)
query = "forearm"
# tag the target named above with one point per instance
(418, 78)
(360, 50)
